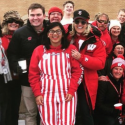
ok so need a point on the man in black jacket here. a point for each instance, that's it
(23, 42)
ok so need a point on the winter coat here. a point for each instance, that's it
(22, 44)
(105, 37)
(107, 96)
(93, 58)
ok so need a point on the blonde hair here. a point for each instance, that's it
(5, 30)
(85, 33)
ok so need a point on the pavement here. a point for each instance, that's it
(22, 111)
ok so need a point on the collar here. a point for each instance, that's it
(114, 80)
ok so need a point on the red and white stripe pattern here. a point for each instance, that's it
(55, 80)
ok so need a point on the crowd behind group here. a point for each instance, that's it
(74, 69)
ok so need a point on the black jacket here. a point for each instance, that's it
(107, 97)
(23, 42)
(107, 68)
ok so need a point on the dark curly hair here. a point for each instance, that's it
(64, 41)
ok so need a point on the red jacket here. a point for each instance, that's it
(123, 94)
(93, 58)
(105, 37)
(5, 42)
(54, 67)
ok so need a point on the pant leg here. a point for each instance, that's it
(83, 115)
(4, 103)
(67, 111)
(31, 107)
(14, 89)
(48, 111)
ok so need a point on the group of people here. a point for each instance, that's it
(75, 69)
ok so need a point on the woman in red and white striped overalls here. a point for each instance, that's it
(54, 77)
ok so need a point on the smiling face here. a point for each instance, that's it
(119, 49)
(13, 26)
(36, 17)
(117, 72)
(115, 31)
(80, 26)
(68, 9)
(55, 36)
(55, 17)
(121, 17)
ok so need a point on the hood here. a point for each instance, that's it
(12, 15)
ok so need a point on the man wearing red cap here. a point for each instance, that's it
(55, 14)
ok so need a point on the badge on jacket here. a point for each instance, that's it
(91, 47)
(45, 56)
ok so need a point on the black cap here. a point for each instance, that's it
(81, 14)
(118, 43)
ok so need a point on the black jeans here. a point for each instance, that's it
(14, 89)
(83, 114)
(5, 117)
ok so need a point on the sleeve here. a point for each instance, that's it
(76, 75)
(34, 72)
(101, 106)
(97, 60)
(107, 68)
(109, 46)
(123, 94)
(13, 51)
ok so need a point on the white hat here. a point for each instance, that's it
(114, 23)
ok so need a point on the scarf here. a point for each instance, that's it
(4, 65)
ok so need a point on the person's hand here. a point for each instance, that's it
(75, 54)
(68, 97)
(39, 100)
(103, 78)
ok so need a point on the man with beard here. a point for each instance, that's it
(102, 23)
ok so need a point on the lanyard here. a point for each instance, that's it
(119, 92)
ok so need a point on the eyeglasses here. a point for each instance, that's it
(119, 48)
(55, 13)
(102, 21)
(80, 21)
(12, 20)
(55, 31)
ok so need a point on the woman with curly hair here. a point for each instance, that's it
(10, 91)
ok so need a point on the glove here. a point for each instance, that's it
(19, 70)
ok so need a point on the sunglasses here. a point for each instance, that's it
(12, 20)
(80, 21)
(102, 21)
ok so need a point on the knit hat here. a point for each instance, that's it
(12, 15)
(55, 9)
(114, 23)
(81, 14)
(118, 62)
(118, 43)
